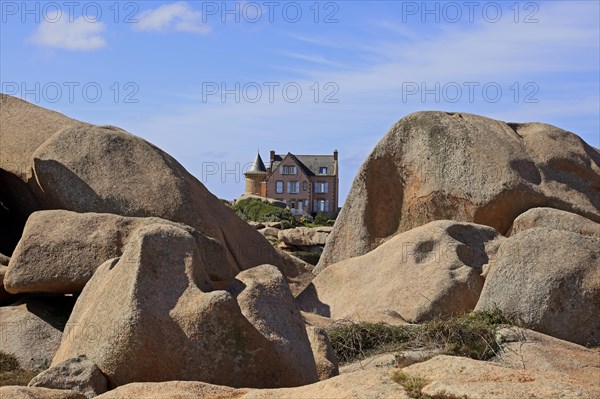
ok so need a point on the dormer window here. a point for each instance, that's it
(323, 170)
(289, 170)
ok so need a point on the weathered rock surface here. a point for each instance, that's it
(86, 168)
(3, 294)
(325, 358)
(269, 232)
(381, 360)
(459, 377)
(530, 365)
(375, 383)
(428, 272)
(4, 260)
(266, 301)
(96, 169)
(173, 390)
(17, 392)
(529, 350)
(31, 330)
(437, 165)
(298, 273)
(549, 281)
(303, 236)
(60, 250)
(23, 128)
(151, 316)
(77, 374)
(557, 220)
(256, 225)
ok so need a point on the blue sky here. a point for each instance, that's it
(212, 82)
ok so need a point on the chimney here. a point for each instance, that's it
(272, 159)
(335, 162)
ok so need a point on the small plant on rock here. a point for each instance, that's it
(11, 373)
(413, 385)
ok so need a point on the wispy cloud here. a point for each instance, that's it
(76, 35)
(313, 59)
(178, 16)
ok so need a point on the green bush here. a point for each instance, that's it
(321, 219)
(256, 210)
(471, 335)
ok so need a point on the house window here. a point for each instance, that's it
(279, 186)
(323, 170)
(300, 203)
(288, 170)
(321, 206)
(293, 187)
(292, 204)
(321, 187)
(304, 185)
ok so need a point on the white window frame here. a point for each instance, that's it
(321, 187)
(321, 205)
(277, 190)
(293, 187)
(321, 168)
(289, 170)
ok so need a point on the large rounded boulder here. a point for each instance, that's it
(60, 250)
(50, 161)
(426, 273)
(153, 315)
(437, 165)
(549, 281)
(555, 219)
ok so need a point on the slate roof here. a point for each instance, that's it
(258, 166)
(310, 163)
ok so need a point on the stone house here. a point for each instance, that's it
(308, 184)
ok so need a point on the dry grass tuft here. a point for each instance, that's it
(11, 373)
(471, 335)
(413, 385)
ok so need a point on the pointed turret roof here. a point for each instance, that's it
(258, 166)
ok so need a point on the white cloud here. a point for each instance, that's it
(178, 16)
(77, 35)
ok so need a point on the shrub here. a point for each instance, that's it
(256, 210)
(321, 219)
(11, 373)
(353, 341)
(471, 335)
